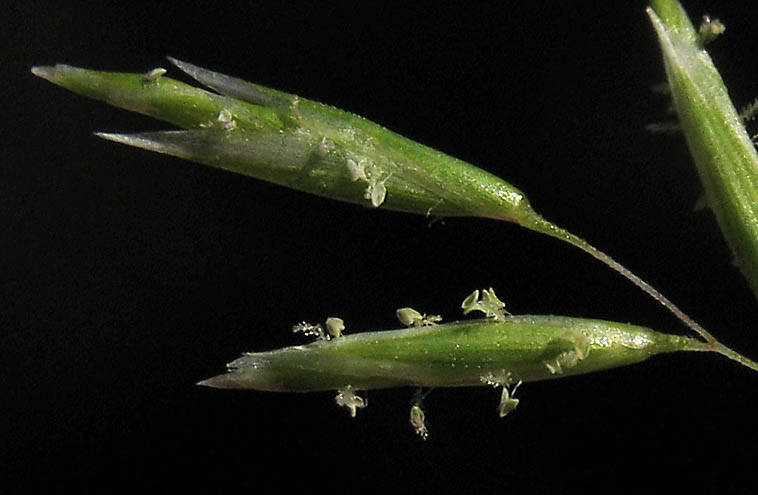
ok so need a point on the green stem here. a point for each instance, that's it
(546, 227)
(720, 348)
(711, 344)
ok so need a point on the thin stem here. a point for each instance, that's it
(733, 355)
(719, 348)
(546, 227)
(710, 344)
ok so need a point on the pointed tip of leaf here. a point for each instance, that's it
(47, 72)
(58, 73)
(115, 137)
(169, 142)
(203, 76)
(152, 141)
(227, 381)
(672, 15)
(210, 382)
(181, 65)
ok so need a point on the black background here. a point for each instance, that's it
(126, 276)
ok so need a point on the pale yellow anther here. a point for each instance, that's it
(489, 304)
(346, 398)
(507, 402)
(335, 326)
(412, 318)
(418, 421)
(710, 29)
(154, 74)
(226, 119)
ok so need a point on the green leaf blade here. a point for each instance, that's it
(298, 143)
(166, 99)
(316, 148)
(528, 347)
(724, 155)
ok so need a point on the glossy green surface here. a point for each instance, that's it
(315, 148)
(725, 157)
(297, 143)
(451, 355)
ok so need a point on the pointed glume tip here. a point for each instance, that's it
(219, 381)
(122, 139)
(110, 136)
(47, 72)
(211, 382)
(184, 66)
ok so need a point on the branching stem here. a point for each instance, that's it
(710, 345)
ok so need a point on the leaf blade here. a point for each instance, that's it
(724, 155)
